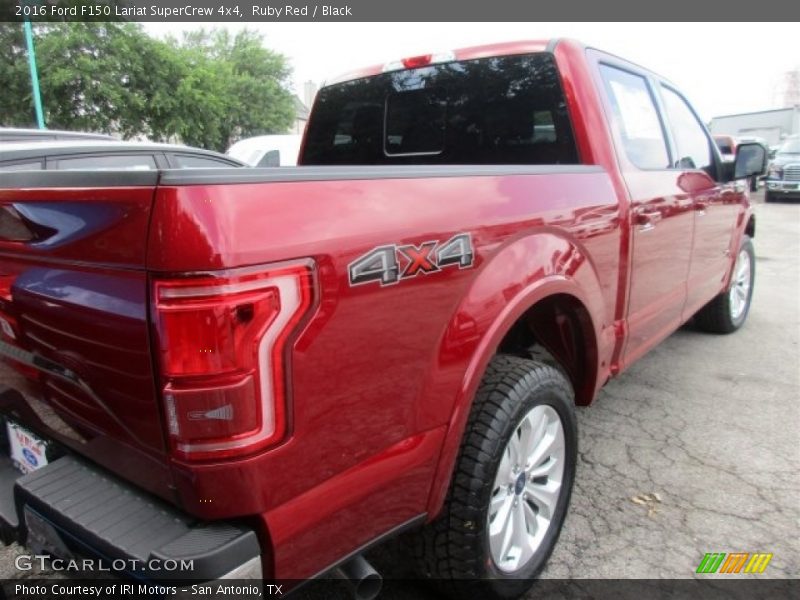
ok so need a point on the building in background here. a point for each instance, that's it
(300, 117)
(302, 107)
(771, 125)
(309, 93)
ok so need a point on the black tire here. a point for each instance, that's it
(768, 197)
(454, 550)
(716, 317)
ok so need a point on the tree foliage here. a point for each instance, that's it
(206, 89)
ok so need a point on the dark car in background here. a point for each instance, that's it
(783, 177)
(105, 155)
(18, 134)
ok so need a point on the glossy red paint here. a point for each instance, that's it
(390, 487)
(681, 224)
(592, 124)
(103, 226)
(408, 345)
(78, 294)
(379, 380)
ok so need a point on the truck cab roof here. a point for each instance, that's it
(469, 53)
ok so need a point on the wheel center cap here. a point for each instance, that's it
(520, 484)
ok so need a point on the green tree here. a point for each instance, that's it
(241, 85)
(207, 89)
(17, 105)
(91, 76)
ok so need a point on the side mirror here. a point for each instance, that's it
(751, 160)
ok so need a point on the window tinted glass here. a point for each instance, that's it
(270, 159)
(188, 161)
(136, 162)
(503, 110)
(415, 122)
(637, 118)
(544, 129)
(692, 145)
(22, 166)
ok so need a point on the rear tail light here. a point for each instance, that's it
(221, 341)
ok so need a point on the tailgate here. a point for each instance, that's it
(76, 365)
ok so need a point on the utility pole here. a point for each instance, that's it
(37, 96)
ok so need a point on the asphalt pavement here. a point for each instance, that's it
(696, 448)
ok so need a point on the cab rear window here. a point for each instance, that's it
(501, 110)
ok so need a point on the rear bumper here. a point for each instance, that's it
(72, 510)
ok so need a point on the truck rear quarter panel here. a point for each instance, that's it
(379, 370)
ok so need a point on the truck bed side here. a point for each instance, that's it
(379, 369)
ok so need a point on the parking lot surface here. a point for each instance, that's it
(694, 449)
(707, 424)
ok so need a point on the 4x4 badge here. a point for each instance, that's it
(392, 263)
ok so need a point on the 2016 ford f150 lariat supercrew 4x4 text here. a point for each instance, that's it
(268, 371)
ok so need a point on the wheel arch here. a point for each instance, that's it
(561, 325)
(550, 311)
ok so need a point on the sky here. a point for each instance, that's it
(723, 68)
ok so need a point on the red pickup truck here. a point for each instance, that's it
(265, 372)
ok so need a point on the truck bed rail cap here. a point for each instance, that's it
(300, 174)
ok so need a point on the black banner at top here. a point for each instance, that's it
(406, 10)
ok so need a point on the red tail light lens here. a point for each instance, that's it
(415, 62)
(221, 342)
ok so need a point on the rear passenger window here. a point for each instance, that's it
(498, 110)
(188, 161)
(637, 118)
(22, 166)
(692, 145)
(270, 159)
(133, 162)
